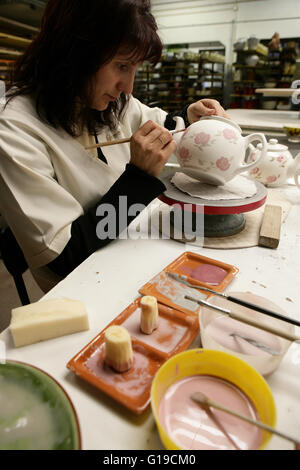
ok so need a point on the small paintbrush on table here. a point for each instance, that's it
(244, 303)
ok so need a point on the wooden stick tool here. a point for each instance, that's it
(247, 320)
(120, 141)
(206, 402)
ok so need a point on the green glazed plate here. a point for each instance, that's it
(35, 412)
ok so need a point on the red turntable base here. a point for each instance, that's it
(221, 218)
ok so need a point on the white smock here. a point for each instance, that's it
(48, 179)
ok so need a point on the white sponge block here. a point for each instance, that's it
(47, 319)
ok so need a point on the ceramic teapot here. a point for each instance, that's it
(213, 150)
(276, 166)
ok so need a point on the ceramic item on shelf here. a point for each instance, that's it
(262, 49)
(240, 44)
(237, 77)
(252, 42)
(269, 104)
(252, 60)
(292, 132)
(276, 166)
(212, 150)
(270, 84)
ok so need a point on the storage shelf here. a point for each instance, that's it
(25, 11)
(249, 79)
(162, 79)
(15, 41)
(15, 27)
(9, 53)
(247, 52)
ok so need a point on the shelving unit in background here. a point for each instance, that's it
(285, 58)
(28, 12)
(275, 69)
(19, 23)
(211, 74)
(181, 78)
(246, 78)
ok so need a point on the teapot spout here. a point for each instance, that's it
(297, 160)
(295, 164)
(179, 125)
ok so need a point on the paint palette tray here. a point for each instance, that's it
(203, 271)
(172, 292)
(175, 333)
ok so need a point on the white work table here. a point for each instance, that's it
(108, 281)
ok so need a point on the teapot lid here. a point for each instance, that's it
(274, 146)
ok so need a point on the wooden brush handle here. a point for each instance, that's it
(106, 144)
(260, 309)
(210, 403)
(121, 141)
(262, 326)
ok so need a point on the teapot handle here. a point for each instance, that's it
(296, 177)
(261, 154)
(297, 172)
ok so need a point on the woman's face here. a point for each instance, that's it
(112, 79)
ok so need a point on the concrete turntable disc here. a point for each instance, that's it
(221, 218)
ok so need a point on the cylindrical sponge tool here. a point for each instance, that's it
(118, 348)
(149, 314)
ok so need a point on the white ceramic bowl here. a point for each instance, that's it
(269, 104)
(219, 339)
(252, 60)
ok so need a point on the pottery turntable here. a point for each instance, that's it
(222, 218)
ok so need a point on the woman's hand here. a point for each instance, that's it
(151, 147)
(206, 107)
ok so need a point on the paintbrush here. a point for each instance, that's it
(122, 141)
(244, 303)
(207, 403)
(249, 321)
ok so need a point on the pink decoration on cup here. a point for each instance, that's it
(254, 171)
(271, 179)
(184, 153)
(252, 157)
(202, 138)
(223, 164)
(229, 134)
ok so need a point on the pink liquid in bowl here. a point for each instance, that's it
(190, 427)
(207, 273)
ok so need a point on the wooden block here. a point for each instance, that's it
(269, 235)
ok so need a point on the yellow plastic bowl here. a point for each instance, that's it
(218, 364)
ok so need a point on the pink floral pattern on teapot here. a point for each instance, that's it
(277, 165)
(223, 163)
(212, 150)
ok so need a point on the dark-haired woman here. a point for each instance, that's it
(71, 89)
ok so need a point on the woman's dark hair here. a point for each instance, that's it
(75, 39)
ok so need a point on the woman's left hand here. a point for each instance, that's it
(205, 107)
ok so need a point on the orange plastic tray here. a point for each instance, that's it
(172, 292)
(189, 261)
(175, 333)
